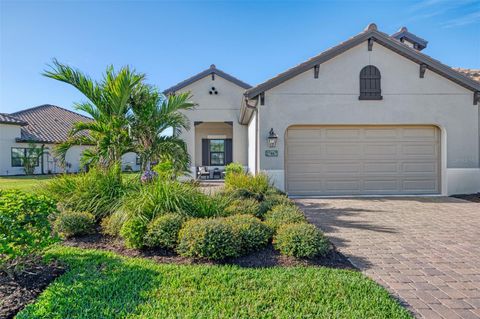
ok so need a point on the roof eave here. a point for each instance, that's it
(382, 39)
(201, 75)
(14, 123)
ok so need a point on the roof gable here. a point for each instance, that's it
(48, 123)
(381, 38)
(212, 70)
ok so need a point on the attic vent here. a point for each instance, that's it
(213, 90)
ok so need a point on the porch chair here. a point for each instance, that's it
(203, 171)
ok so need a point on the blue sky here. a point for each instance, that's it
(170, 41)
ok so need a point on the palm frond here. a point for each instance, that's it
(76, 78)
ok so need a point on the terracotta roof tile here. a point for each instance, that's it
(471, 73)
(8, 119)
(48, 123)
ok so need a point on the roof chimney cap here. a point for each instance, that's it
(371, 27)
(410, 39)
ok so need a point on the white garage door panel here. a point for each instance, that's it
(352, 160)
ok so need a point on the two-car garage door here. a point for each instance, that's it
(355, 160)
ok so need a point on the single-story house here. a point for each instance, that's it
(45, 126)
(370, 116)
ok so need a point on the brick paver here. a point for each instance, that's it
(425, 250)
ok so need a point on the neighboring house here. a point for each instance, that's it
(372, 115)
(44, 125)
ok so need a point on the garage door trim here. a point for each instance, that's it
(435, 159)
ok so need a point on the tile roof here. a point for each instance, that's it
(8, 119)
(371, 32)
(47, 123)
(471, 73)
(211, 70)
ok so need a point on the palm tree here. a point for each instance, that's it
(151, 115)
(108, 105)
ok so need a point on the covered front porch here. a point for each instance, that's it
(213, 149)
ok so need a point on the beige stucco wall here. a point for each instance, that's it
(407, 99)
(8, 134)
(224, 107)
(205, 130)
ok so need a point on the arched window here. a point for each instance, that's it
(370, 83)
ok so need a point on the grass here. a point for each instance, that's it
(24, 183)
(101, 284)
(33, 182)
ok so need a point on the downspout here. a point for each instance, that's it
(41, 164)
(255, 110)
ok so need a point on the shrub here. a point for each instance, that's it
(233, 168)
(165, 169)
(163, 231)
(133, 231)
(71, 223)
(209, 206)
(164, 196)
(300, 240)
(97, 191)
(247, 185)
(272, 200)
(111, 225)
(207, 238)
(24, 223)
(283, 214)
(247, 206)
(250, 232)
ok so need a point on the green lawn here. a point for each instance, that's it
(25, 183)
(105, 285)
(32, 183)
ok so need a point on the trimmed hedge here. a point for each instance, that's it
(133, 232)
(300, 240)
(250, 232)
(111, 225)
(207, 238)
(247, 206)
(163, 231)
(284, 214)
(272, 200)
(70, 224)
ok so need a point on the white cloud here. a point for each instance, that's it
(471, 18)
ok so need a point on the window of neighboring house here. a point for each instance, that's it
(137, 160)
(370, 88)
(217, 152)
(18, 153)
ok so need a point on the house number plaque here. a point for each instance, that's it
(271, 153)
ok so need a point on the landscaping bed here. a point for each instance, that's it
(160, 248)
(19, 290)
(266, 257)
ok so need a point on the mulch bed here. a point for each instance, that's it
(19, 290)
(470, 197)
(267, 257)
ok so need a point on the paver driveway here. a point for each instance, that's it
(424, 250)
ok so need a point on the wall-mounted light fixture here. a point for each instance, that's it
(272, 139)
